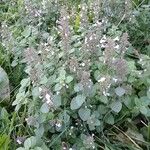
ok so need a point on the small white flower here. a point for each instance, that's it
(102, 79)
(39, 52)
(117, 47)
(105, 93)
(116, 39)
(40, 89)
(70, 133)
(103, 45)
(70, 149)
(52, 52)
(102, 41)
(83, 64)
(57, 93)
(64, 84)
(91, 38)
(47, 96)
(58, 125)
(115, 79)
(19, 142)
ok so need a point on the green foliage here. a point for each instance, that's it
(4, 142)
(79, 75)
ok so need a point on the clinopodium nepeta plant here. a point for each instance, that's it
(80, 77)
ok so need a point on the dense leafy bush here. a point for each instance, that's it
(84, 80)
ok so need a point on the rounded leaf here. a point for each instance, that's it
(120, 91)
(116, 106)
(77, 102)
(44, 108)
(84, 113)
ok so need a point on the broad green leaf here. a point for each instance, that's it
(143, 110)
(77, 102)
(78, 87)
(109, 119)
(30, 142)
(69, 79)
(58, 87)
(102, 109)
(116, 106)
(84, 113)
(104, 99)
(97, 75)
(138, 102)
(62, 75)
(44, 108)
(64, 117)
(145, 100)
(25, 82)
(131, 65)
(120, 91)
(27, 31)
(35, 92)
(57, 100)
(39, 131)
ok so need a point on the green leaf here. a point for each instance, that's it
(143, 110)
(77, 102)
(35, 92)
(120, 91)
(57, 100)
(44, 108)
(116, 106)
(84, 113)
(58, 87)
(97, 75)
(78, 87)
(104, 99)
(102, 109)
(138, 102)
(62, 74)
(69, 79)
(64, 117)
(25, 82)
(109, 119)
(148, 93)
(30, 142)
(27, 31)
(39, 131)
(4, 142)
(131, 65)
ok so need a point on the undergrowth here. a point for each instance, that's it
(75, 75)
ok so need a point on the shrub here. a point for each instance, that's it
(84, 84)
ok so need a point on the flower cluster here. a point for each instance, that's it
(64, 29)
